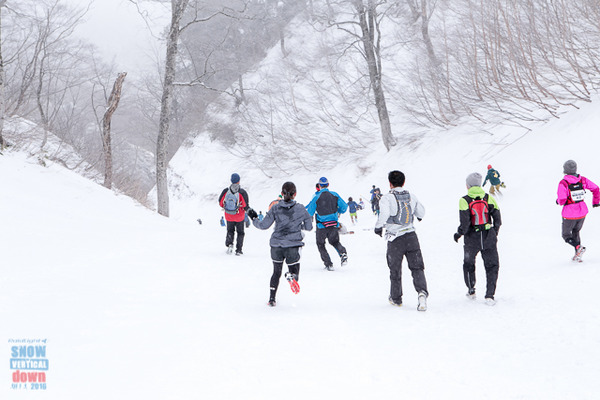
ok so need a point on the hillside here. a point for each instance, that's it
(135, 305)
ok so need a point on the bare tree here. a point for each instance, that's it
(363, 27)
(425, 13)
(113, 103)
(184, 13)
(500, 60)
(178, 8)
(2, 93)
(368, 19)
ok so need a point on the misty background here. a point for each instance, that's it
(281, 85)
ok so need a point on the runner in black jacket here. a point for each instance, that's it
(479, 238)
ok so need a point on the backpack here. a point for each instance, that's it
(576, 192)
(271, 204)
(231, 202)
(405, 215)
(480, 211)
(327, 203)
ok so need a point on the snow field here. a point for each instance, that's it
(138, 306)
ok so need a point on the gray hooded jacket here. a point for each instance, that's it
(290, 219)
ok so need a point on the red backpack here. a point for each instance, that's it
(480, 211)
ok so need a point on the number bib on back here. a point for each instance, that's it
(576, 192)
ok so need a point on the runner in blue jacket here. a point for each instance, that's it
(352, 208)
(327, 206)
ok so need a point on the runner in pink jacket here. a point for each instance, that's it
(571, 190)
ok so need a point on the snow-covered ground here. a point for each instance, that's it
(136, 306)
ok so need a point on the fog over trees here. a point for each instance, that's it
(289, 82)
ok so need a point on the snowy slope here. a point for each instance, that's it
(137, 306)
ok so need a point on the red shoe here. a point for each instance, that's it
(291, 278)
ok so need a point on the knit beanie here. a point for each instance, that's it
(474, 179)
(570, 167)
(235, 178)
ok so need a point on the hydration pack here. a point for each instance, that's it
(231, 202)
(405, 215)
(480, 211)
(576, 192)
(327, 203)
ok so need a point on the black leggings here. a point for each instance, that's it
(291, 255)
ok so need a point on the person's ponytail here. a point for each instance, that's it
(288, 190)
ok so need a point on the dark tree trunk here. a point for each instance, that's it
(162, 144)
(113, 103)
(368, 24)
(2, 94)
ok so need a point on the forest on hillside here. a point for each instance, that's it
(286, 82)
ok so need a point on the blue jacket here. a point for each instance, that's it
(327, 205)
(352, 206)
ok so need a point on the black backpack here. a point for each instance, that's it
(576, 192)
(327, 203)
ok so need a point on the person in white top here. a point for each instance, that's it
(398, 209)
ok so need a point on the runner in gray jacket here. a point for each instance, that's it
(290, 220)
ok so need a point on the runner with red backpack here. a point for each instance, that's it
(571, 192)
(480, 222)
(234, 201)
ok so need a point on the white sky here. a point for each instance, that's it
(118, 30)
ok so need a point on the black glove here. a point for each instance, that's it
(252, 214)
(457, 236)
(596, 205)
(420, 219)
(379, 231)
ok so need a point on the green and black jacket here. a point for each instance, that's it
(487, 236)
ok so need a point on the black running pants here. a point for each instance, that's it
(332, 234)
(407, 246)
(491, 264)
(233, 227)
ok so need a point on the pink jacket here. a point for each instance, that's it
(576, 210)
